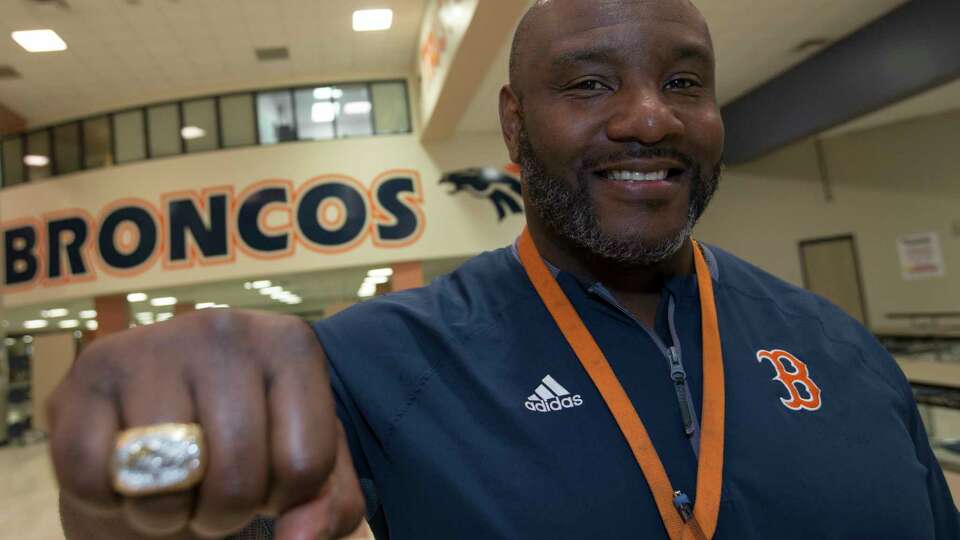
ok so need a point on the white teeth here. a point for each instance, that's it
(636, 176)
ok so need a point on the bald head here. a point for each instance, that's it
(545, 17)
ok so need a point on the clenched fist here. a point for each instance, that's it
(258, 385)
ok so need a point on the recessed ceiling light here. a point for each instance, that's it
(91, 325)
(366, 20)
(367, 290)
(53, 313)
(34, 324)
(326, 93)
(385, 272)
(357, 107)
(270, 290)
(192, 132)
(261, 284)
(88, 314)
(136, 297)
(205, 305)
(33, 160)
(376, 280)
(45, 40)
(163, 301)
(69, 323)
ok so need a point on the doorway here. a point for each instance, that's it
(831, 268)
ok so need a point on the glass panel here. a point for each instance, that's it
(66, 144)
(316, 112)
(275, 116)
(163, 122)
(37, 157)
(237, 120)
(128, 132)
(96, 142)
(13, 170)
(199, 130)
(390, 107)
(354, 116)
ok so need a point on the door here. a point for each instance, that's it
(831, 269)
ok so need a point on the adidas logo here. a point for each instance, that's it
(550, 396)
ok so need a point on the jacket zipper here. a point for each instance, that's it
(678, 375)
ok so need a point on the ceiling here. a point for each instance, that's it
(131, 52)
(319, 291)
(754, 42)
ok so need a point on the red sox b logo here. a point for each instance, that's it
(797, 375)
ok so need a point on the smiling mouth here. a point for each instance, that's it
(638, 176)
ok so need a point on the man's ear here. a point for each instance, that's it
(510, 121)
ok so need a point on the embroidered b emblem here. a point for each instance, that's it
(793, 373)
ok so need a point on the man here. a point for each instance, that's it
(605, 377)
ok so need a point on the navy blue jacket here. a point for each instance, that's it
(438, 390)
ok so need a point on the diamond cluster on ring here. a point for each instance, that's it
(152, 461)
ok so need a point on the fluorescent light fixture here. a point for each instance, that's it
(357, 107)
(88, 314)
(218, 306)
(380, 272)
(92, 325)
(53, 313)
(294, 301)
(323, 112)
(164, 316)
(267, 291)
(326, 93)
(45, 40)
(205, 305)
(35, 324)
(28, 339)
(163, 301)
(366, 20)
(69, 323)
(376, 280)
(261, 284)
(34, 160)
(136, 297)
(192, 132)
(144, 315)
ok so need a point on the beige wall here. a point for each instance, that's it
(894, 180)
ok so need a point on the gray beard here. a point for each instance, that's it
(570, 213)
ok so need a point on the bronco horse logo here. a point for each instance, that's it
(496, 185)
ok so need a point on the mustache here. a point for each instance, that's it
(637, 152)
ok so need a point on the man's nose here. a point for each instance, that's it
(643, 116)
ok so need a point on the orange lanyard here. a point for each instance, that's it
(703, 522)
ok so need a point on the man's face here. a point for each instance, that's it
(619, 134)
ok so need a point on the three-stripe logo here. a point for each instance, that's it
(550, 396)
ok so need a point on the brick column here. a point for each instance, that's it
(183, 307)
(113, 314)
(408, 275)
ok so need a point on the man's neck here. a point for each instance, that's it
(637, 287)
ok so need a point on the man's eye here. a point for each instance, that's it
(682, 84)
(589, 84)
